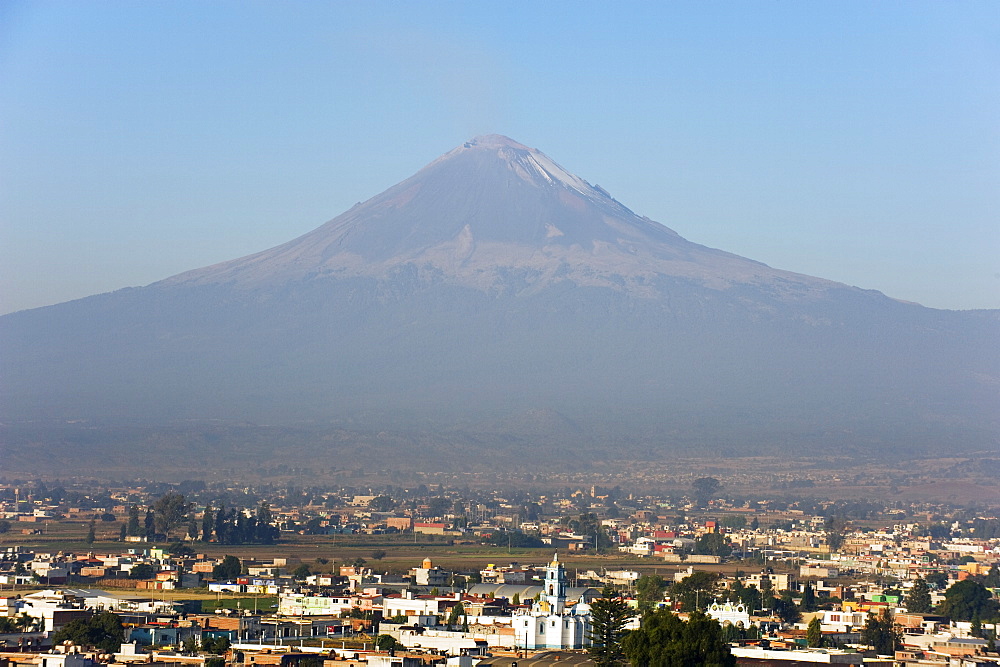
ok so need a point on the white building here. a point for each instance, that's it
(407, 605)
(843, 621)
(290, 604)
(429, 575)
(549, 624)
(779, 582)
(644, 546)
(734, 614)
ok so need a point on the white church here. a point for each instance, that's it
(549, 624)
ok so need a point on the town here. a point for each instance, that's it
(191, 573)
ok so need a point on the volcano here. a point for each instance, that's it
(493, 307)
(482, 211)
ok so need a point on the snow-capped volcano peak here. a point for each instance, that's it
(529, 163)
(486, 210)
(494, 141)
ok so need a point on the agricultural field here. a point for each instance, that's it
(325, 553)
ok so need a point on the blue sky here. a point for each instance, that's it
(855, 141)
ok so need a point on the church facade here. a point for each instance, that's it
(549, 623)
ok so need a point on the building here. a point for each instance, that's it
(429, 575)
(733, 614)
(753, 655)
(550, 624)
(779, 582)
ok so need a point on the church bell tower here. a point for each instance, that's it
(555, 586)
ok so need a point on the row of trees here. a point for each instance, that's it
(236, 526)
(172, 510)
(165, 514)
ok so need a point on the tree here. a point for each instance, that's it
(142, 571)
(91, 532)
(976, 627)
(939, 531)
(965, 599)
(132, 526)
(786, 609)
(663, 640)
(766, 592)
(207, 524)
(881, 633)
(608, 616)
(228, 569)
(713, 544)
(919, 599)
(703, 489)
(149, 525)
(649, 589)
(382, 504)
(814, 633)
(992, 578)
(455, 617)
(513, 538)
(301, 572)
(24, 623)
(378, 554)
(387, 643)
(808, 601)
(939, 580)
(748, 595)
(169, 511)
(4, 526)
(263, 512)
(122, 532)
(103, 631)
(695, 591)
(216, 645)
(438, 506)
(589, 524)
(180, 550)
(991, 638)
(835, 527)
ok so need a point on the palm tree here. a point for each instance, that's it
(25, 623)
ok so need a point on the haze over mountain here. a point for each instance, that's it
(494, 307)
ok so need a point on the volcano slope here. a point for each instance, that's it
(493, 308)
